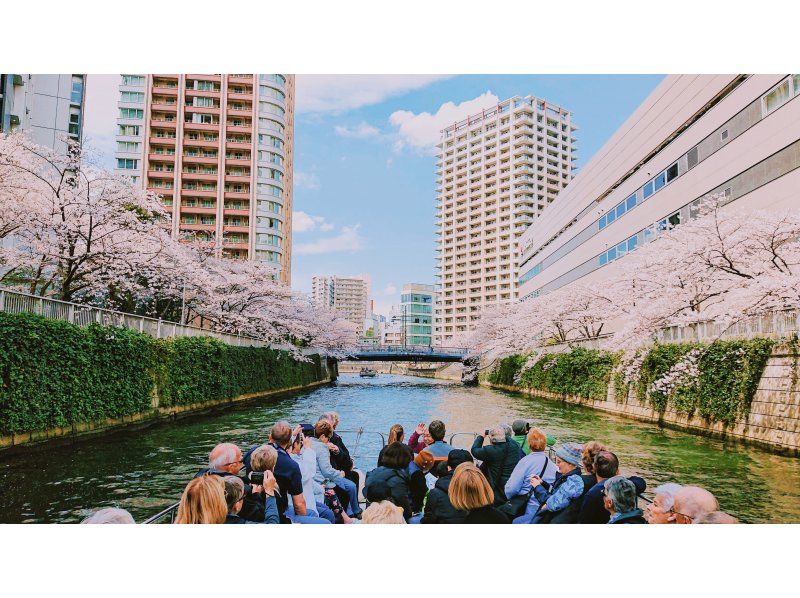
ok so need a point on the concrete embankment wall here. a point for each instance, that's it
(773, 421)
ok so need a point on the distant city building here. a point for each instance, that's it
(346, 294)
(694, 136)
(49, 108)
(219, 149)
(496, 171)
(374, 326)
(416, 308)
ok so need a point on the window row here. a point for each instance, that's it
(132, 97)
(136, 113)
(780, 94)
(127, 163)
(133, 80)
(640, 195)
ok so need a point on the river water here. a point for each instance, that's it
(145, 470)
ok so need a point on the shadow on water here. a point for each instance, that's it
(145, 470)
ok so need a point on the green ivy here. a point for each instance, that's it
(507, 370)
(55, 374)
(729, 373)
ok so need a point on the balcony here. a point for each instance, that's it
(231, 228)
(200, 159)
(239, 128)
(197, 227)
(236, 211)
(160, 174)
(199, 192)
(201, 142)
(200, 176)
(237, 178)
(198, 210)
(164, 124)
(236, 144)
(237, 195)
(190, 126)
(238, 161)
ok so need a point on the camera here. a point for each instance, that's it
(486, 432)
(257, 478)
(307, 430)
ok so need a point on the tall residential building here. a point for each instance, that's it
(49, 108)
(219, 149)
(416, 313)
(496, 171)
(346, 294)
(694, 136)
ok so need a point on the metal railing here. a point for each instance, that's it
(411, 349)
(83, 315)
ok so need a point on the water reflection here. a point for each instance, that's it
(143, 471)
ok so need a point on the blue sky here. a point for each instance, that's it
(366, 177)
(364, 195)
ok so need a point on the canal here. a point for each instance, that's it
(146, 470)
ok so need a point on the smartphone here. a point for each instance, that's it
(486, 432)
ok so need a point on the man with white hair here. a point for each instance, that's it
(499, 457)
(659, 511)
(619, 499)
(109, 515)
(692, 502)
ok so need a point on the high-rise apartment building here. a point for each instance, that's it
(219, 149)
(496, 171)
(346, 294)
(694, 136)
(49, 108)
(416, 313)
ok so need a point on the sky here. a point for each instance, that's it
(364, 184)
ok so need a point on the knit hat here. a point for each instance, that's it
(424, 461)
(570, 452)
(520, 426)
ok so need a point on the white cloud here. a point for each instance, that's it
(390, 289)
(305, 180)
(360, 131)
(336, 93)
(100, 120)
(422, 130)
(348, 240)
(303, 223)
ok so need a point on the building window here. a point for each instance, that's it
(133, 80)
(660, 180)
(74, 121)
(132, 130)
(136, 113)
(204, 102)
(133, 97)
(127, 146)
(672, 172)
(647, 190)
(127, 163)
(76, 96)
(777, 97)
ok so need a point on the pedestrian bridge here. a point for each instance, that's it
(414, 353)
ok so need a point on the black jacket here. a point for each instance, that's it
(499, 461)
(418, 488)
(342, 460)
(634, 516)
(486, 515)
(439, 509)
(399, 483)
(592, 509)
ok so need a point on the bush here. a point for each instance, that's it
(507, 370)
(580, 372)
(55, 374)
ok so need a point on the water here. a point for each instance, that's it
(146, 470)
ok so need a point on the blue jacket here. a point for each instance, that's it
(439, 448)
(532, 464)
(562, 492)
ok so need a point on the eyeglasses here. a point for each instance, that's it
(674, 512)
(239, 462)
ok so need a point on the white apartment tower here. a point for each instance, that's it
(349, 295)
(496, 171)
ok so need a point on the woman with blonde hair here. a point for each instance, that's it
(384, 511)
(203, 501)
(470, 491)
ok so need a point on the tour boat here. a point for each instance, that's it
(367, 373)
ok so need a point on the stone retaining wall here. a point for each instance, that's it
(773, 422)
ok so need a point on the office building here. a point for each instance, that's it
(416, 313)
(347, 294)
(694, 136)
(219, 150)
(496, 171)
(48, 108)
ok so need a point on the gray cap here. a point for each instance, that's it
(520, 426)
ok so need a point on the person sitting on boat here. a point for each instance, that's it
(327, 475)
(234, 498)
(691, 503)
(560, 501)
(385, 512)
(203, 501)
(341, 459)
(396, 434)
(619, 499)
(430, 439)
(393, 473)
(108, 515)
(536, 463)
(659, 511)
(470, 491)
(606, 466)
(438, 508)
(418, 486)
(313, 493)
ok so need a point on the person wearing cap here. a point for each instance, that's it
(566, 490)
(438, 508)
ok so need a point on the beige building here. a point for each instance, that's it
(346, 294)
(219, 149)
(496, 171)
(694, 136)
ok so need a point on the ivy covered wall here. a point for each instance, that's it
(54, 374)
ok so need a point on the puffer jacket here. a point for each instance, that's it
(499, 461)
(398, 481)
(438, 508)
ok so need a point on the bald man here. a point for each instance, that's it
(692, 502)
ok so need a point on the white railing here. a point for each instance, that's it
(83, 315)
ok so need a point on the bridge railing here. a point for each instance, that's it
(412, 349)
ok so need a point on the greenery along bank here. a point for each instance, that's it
(54, 374)
(716, 381)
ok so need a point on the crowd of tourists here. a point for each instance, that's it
(304, 474)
